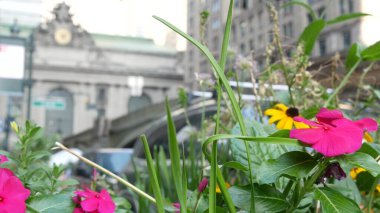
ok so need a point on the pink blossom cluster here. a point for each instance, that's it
(12, 192)
(88, 201)
(333, 134)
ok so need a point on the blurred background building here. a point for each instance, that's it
(80, 79)
(252, 28)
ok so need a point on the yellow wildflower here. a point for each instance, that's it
(217, 190)
(284, 115)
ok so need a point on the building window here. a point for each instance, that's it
(215, 24)
(322, 46)
(351, 8)
(346, 39)
(251, 44)
(288, 30)
(322, 13)
(60, 121)
(242, 48)
(138, 102)
(243, 26)
(244, 4)
(215, 43)
(342, 7)
(215, 6)
(309, 18)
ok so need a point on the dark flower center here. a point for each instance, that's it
(292, 112)
(1, 199)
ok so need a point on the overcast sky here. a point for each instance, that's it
(120, 17)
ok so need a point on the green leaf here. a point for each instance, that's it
(53, 203)
(372, 53)
(372, 149)
(363, 160)
(283, 133)
(235, 165)
(364, 181)
(310, 112)
(153, 176)
(296, 164)
(353, 56)
(310, 34)
(302, 4)
(175, 158)
(346, 17)
(348, 188)
(334, 202)
(267, 198)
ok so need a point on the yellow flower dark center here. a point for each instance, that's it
(292, 112)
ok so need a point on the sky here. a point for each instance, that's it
(118, 17)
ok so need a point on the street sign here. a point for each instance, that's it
(50, 104)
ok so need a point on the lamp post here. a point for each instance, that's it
(29, 80)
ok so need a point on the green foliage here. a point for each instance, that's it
(334, 202)
(372, 53)
(177, 171)
(362, 160)
(353, 56)
(295, 164)
(346, 17)
(61, 202)
(267, 198)
(310, 35)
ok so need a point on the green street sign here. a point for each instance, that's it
(50, 104)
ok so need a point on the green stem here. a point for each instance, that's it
(309, 183)
(121, 180)
(372, 193)
(342, 83)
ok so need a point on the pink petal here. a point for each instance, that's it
(106, 206)
(308, 136)
(90, 204)
(105, 195)
(327, 116)
(78, 210)
(303, 120)
(13, 205)
(3, 159)
(15, 190)
(368, 124)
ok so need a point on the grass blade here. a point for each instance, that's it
(175, 158)
(153, 176)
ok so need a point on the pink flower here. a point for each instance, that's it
(3, 159)
(12, 193)
(92, 201)
(177, 206)
(202, 185)
(332, 134)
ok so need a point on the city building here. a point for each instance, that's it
(81, 80)
(252, 28)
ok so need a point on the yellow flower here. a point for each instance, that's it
(368, 137)
(355, 171)
(284, 115)
(217, 190)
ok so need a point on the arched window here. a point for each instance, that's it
(138, 102)
(60, 121)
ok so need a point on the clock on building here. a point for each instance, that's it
(62, 36)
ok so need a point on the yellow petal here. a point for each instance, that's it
(378, 188)
(281, 123)
(282, 107)
(289, 123)
(368, 137)
(276, 117)
(300, 125)
(355, 171)
(272, 112)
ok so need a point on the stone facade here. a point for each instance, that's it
(96, 76)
